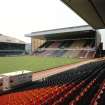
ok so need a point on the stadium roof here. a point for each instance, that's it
(92, 11)
(70, 30)
(8, 39)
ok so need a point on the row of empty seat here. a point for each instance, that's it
(67, 53)
(69, 44)
(11, 52)
(84, 85)
(71, 48)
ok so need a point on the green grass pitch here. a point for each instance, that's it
(33, 63)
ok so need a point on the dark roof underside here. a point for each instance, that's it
(68, 35)
(92, 11)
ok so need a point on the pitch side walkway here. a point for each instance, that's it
(49, 72)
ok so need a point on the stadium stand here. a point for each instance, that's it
(84, 85)
(81, 42)
(11, 46)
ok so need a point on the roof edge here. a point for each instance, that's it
(60, 30)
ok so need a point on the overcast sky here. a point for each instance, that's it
(19, 17)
